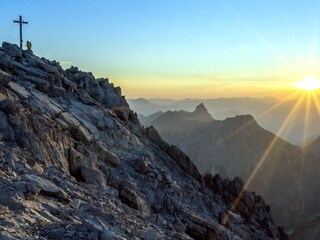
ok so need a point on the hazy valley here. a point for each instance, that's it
(281, 172)
(270, 113)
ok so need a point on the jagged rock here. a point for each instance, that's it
(81, 134)
(154, 136)
(133, 200)
(122, 113)
(5, 78)
(21, 187)
(148, 235)
(106, 155)
(6, 131)
(236, 186)
(69, 84)
(179, 226)
(12, 50)
(217, 182)
(109, 235)
(93, 176)
(48, 68)
(69, 119)
(77, 161)
(177, 191)
(141, 166)
(208, 180)
(38, 184)
(19, 90)
(85, 98)
(56, 91)
(183, 161)
(5, 62)
(41, 84)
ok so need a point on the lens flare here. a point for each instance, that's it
(308, 83)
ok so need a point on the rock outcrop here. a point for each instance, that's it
(76, 164)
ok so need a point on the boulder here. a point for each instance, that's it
(81, 134)
(45, 186)
(93, 176)
(122, 113)
(6, 131)
(105, 155)
(133, 200)
(85, 97)
(12, 50)
(77, 161)
(5, 62)
(69, 84)
(56, 91)
(179, 226)
(141, 166)
(41, 85)
(48, 68)
(19, 90)
(147, 235)
(5, 78)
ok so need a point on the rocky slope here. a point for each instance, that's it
(234, 147)
(147, 120)
(76, 164)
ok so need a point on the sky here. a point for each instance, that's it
(176, 48)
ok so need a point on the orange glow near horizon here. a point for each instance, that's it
(170, 88)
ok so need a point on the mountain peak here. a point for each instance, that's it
(201, 109)
(201, 114)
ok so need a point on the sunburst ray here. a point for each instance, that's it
(263, 157)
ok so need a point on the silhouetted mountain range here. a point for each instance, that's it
(269, 113)
(238, 146)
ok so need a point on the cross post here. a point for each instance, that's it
(20, 23)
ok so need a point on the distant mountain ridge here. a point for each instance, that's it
(270, 113)
(234, 147)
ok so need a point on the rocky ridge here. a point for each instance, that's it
(76, 164)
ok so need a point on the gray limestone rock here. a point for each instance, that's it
(5, 62)
(5, 78)
(12, 50)
(93, 176)
(135, 201)
(106, 155)
(41, 84)
(38, 184)
(141, 166)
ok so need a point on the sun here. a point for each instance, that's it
(308, 83)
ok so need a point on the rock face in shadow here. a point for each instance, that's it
(284, 174)
(76, 164)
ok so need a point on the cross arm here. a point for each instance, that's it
(21, 22)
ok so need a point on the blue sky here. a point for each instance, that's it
(188, 48)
